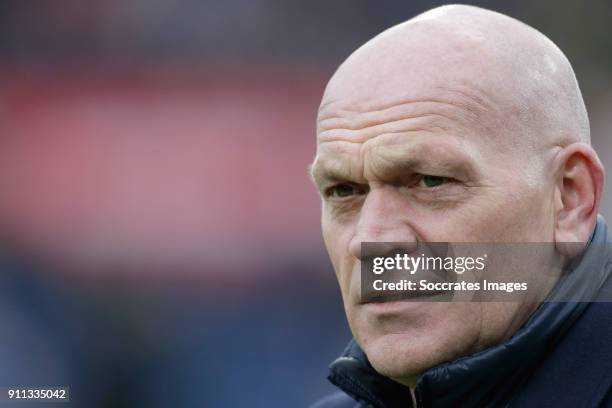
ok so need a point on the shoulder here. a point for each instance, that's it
(337, 400)
(580, 363)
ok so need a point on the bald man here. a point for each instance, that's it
(463, 125)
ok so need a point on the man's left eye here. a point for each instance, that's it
(343, 190)
(433, 181)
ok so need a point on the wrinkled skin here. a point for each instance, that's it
(460, 125)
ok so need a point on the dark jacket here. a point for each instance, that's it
(561, 357)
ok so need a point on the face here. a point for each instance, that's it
(425, 167)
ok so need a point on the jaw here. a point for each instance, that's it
(407, 339)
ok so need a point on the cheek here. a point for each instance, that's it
(330, 238)
(336, 238)
(519, 217)
(499, 215)
(500, 320)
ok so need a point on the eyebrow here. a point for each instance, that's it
(422, 158)
(443, 165)
(322, 174)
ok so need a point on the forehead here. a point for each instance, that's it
(417, 75)
(391, 157)
(379, 96)
(442, 130)
(359, 118)
(446, 115)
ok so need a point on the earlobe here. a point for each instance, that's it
(579, 184)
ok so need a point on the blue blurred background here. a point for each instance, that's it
(160, 241)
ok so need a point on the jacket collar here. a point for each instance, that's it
(492, 375)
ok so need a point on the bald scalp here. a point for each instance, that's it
(504, 74)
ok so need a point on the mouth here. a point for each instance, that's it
(408, 296)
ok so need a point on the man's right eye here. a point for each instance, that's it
(343, 190)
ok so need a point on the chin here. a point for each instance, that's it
(398, 356)
(406, 352)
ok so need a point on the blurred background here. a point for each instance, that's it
(159, 234)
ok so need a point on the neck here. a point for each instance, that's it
(410, 382)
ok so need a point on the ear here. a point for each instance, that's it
(579, 184)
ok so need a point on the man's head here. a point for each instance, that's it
(459, 125)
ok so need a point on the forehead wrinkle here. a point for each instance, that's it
(472, 98)
(472, 92)
(455, 104)
(354, 120)
(423, 123)
(338, 165)
(393, 159)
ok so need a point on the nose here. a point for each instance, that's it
(384, 219)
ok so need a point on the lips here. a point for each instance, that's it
(372, 296)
